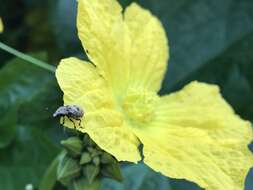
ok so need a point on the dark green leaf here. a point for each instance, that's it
(50, 177)
(26, 159)
(8, 127)
(83, 184)
(138, 177)
(25, 93)
(16, 87)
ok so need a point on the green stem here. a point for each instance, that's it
(27, 58)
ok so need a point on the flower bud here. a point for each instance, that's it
(85, 158)
(96, 160)
(68, 169)
(91, 149)
(107, 158)
(95, 153)
(73, 145)
(90, 172)
(87, 141)
(112, 171)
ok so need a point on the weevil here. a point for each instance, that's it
(71, 112)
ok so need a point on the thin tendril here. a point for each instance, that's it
(28, 58)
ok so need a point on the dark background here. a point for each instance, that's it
(210, 41)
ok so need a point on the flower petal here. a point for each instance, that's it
(78, 78)
(127, 52)
(149, 48)
(197, 136)
(104, 36)
(110, 132)
(83, 86)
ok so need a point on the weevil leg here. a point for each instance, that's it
(72, 122)
(80, 121)
(63, 120)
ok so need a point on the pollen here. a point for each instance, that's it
(139, 107)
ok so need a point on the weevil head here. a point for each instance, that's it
(61, 111)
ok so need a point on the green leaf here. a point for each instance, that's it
(28, 96)
(50, 177)
(180, 184)
(138, 177)
(83, 184)
(20, 80)
(199, 30)
(8, 127)
(249, 181)
(26, 159)
(15, 88)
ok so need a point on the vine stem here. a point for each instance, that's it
(28, 58)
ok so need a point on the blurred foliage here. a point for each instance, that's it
(138, 177)
(210, 41)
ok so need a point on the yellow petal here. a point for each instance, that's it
(108, 130)
(198, 137)
(1, 26)
(118, 141)
(149, 48)
(128, 52)
(79, 79)
(83, 86)
(102, 32)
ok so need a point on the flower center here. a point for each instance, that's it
(139, 106)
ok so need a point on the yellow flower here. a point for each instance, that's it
(192, 134)
(1, 26)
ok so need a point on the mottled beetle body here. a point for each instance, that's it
(71, 112)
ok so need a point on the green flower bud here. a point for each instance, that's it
(112, 171)
(83, 184)
(107, 158)
(67, 170)
(73, 145)
(91, 149)
(95, 153)
(91, 143)
(90, 172)
(88, 141)
(96, 160)
(85, 158)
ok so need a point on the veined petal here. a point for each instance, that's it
(118, 141)
(128, 52)
(198, 137)
(108, 130)
(149, 48)
(83, 86)
(105, 39)
(78, 78)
